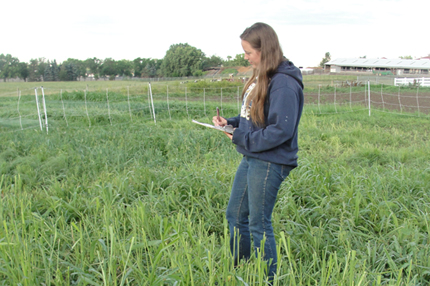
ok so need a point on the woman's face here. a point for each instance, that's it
(251, 55)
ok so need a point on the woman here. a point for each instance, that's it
(266, 134)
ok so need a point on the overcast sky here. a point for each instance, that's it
(307, 29)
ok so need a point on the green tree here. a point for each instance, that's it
(213, 61)
(124, 67)
(41, 67)
(152, 68)
(37, 69)
(32, 70)
(52, 72)
(78, 67)
(8, 66)
(69, 71)
(138, 66)
(326, 59)
(109, 68)
(48, 73)
(23, 71)
(147, 67)
(92, 65)
(406, 57)
(182, 60)
(238, 61)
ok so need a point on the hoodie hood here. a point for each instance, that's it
(288, 68)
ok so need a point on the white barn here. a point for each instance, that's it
(379, 66)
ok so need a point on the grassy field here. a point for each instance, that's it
(115, 199)
(27, 88)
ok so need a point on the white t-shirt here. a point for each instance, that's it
(246, 110)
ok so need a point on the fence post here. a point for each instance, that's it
(38, 109)
(152, 102)
(86, 109)
(44, 109)
(64, 110)
(149, 103)
(319, 97)
(368, 93)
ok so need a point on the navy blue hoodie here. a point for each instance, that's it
(276, 142)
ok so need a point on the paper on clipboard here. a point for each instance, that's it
(228, 128)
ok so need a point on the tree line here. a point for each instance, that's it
(180, 60)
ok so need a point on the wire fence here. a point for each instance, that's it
(391, 80)
(121, 106)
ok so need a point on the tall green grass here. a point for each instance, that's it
(130, 202)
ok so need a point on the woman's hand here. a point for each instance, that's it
(219, 121)
(229, 135)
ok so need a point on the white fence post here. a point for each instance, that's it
(44, 109)
(86, 109)
(38, 109)
(152, 102)
(149, 102)
(368, 91)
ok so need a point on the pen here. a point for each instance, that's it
(217, 114)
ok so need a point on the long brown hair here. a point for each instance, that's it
(262, 38)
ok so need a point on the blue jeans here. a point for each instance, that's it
(250, 207)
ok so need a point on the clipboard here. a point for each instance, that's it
(228, 128)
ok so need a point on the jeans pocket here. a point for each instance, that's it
(285, 171)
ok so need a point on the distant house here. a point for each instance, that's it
(424, 58)
(379, 66)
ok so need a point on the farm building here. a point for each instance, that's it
(379, 66)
